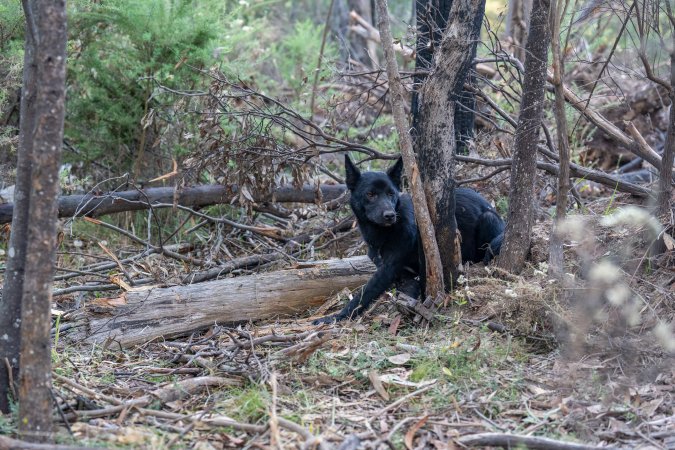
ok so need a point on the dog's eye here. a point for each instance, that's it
(371, 195)
(390, 194)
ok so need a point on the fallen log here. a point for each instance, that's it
(112, 202)
(178, 310)
(197, 196)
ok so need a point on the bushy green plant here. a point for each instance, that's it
(119, 53)
(296, 55)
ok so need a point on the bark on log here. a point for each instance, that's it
(177, 310)
(113, 202)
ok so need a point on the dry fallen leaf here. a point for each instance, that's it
(392, 378)
(410, 435)
(393, 328)
(399, 359)
(377, 384)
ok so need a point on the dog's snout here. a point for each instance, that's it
(389, 215)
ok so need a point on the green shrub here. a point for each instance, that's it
(119, 52)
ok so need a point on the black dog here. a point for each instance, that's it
(387, 223)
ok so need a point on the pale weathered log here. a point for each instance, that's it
(178, 310)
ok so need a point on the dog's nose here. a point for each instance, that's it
(389, 215)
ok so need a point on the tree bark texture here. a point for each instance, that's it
(666, 171)
(517, 15)
(10, 300)
(362, 49)
(436, 142)
(421, 205)
(95, 205)
(46, 33)
(556, 250)
(432, 17)
(167, 312)
(523, 169)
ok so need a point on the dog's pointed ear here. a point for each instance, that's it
(395, 172)
(352, 173)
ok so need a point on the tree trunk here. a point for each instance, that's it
(523, 170)
(362, 49)
(435, 133)
(46, 33)
(515, 31)
(666, 172)
(421, 201)
(10, 301)
(556, 250)
(432, 18)
(166, 312)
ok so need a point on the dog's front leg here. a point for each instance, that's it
(382, 279)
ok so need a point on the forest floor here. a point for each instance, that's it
(509, 355)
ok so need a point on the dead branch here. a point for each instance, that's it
(164, 312)
(506, 440)
(7, 443)
(238, 263)
(403, 399)
(367, 31)
(575, 170)
(171, 392)
(135, 200)
(640, 148)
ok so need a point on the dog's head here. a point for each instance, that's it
(374, 194)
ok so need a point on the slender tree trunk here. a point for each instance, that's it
(436, 143)
(434, 269)
(556, 250)
(432, 18)
(523, 170)
(46, 24)
(666, 173)
(10, 302)
(362, 49)
(517, 16)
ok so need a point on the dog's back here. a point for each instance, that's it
(480, 226)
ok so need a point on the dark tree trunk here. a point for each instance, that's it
(434, 268)
(360, 48)
(46, 39)
(517, 16)
(666, 172)
(432, 17)
(436, 142)
(523, 170)
(10, 302)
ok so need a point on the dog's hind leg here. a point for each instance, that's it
(490, 234)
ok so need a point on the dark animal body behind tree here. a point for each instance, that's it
(387, 224)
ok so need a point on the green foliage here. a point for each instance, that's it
(249, 404)
(8, 424)
(502, 206)
(119, 52)
(11, 64)
(291, 55)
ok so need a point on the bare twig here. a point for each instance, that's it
(402, 400)
(506, 440)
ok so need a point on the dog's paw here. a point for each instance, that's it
(328, 319)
